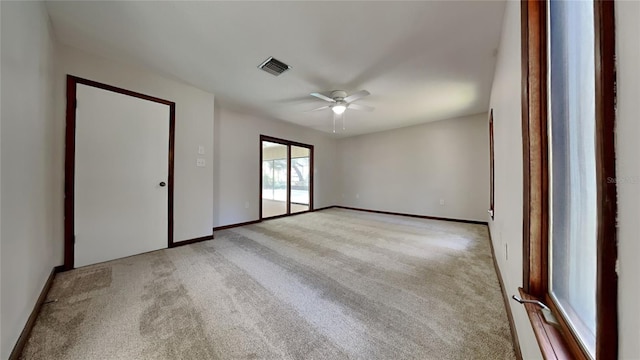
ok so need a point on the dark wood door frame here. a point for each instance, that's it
(288, 144)
(70, 156)
(492, 169)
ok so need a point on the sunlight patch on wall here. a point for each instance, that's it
(438, 99)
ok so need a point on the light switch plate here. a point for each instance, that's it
(201, 150)
(200, 162)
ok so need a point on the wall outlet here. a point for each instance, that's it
(441, 201)
(357, 196)
(200, 162)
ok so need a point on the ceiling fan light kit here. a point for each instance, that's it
(340, 102)
(338, 108)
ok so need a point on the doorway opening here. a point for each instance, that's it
(286, 181)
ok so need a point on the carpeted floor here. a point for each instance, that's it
(334, 284)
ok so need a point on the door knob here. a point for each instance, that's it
(162, 184)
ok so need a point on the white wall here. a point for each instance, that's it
(28, 246)
(628, 172)
(237, 163)
(409, 170)
(506, 228)
(193, 186)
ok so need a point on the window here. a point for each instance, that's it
(569, 206)
(572, 166)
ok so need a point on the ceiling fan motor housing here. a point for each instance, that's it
(338, 95)
(340, 101)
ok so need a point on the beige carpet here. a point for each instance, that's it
(334, 284)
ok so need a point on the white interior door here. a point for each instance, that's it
(121, 164)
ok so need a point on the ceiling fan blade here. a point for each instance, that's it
(320, 108)
(356, 95)
(323, 97)
(361, 107)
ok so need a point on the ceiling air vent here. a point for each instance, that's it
(273, 66)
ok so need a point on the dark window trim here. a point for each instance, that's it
(492, 169)
(557, 342)
(70, 158)
(287, 143)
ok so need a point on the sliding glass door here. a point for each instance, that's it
(275, 175)
(287, 177)
(300, 172)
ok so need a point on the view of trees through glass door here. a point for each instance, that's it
(287, 177)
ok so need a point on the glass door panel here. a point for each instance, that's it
(300, 178)
(275, 177)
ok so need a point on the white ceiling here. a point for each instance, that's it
(421, 61)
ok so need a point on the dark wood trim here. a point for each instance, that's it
(311, 167)
(26, 331)
(283, 141)
(492, 170)
(191, 241)
(288, 144)
(412, 215)
(287, 215)
(534, 143)
(607, 294)
(231, 226)
(325, 208)
(288, 179)
(261, 175)
(69, 173)
(568, 341)
(552, 342)
(505, 298)
(536, 194)
(170, 172)
(59, 269)
(524, 69)
(115, 89)
(69, 188)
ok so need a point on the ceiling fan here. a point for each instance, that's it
(340, 102)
